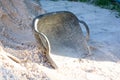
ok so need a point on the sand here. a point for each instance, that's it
(18, 40)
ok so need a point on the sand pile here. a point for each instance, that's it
(16, 39)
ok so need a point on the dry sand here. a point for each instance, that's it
(104, 64)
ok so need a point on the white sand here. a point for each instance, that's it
(18, 40)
